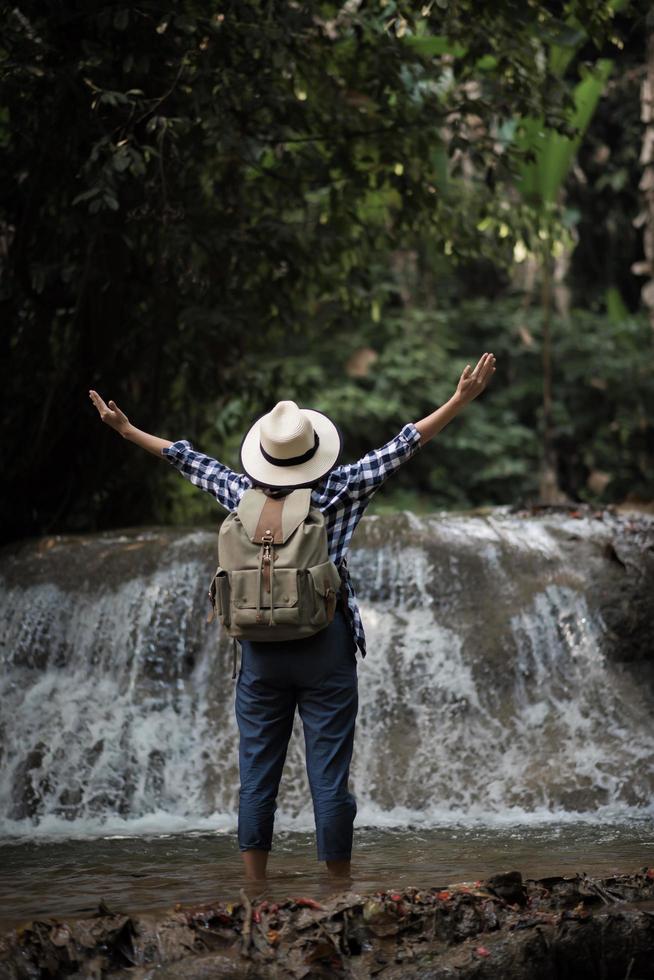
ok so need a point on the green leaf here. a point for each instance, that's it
(564, 45)
(487, 62)
(541, 180)
(429, 47)
(121, 161)
(86, 195)
(121, 19)
(615, 306)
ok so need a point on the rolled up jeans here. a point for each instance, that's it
(318, 674)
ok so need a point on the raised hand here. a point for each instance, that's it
(110, 414)
(472, 383)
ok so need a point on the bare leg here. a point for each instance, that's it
(255, 864)
(338, 869)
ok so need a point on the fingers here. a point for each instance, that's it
(118, 412)
(477, 380)
(481, 363)
(98, 402)
(484, 368)
(487, 367)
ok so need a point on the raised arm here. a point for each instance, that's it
(366, 475)
(111, 415)
(471, 383)
(203, 471)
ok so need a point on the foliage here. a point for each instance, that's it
(488, 454)
(601, 406)
(191, 187)
(603, 193)
(542, 177)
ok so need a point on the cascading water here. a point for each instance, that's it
(498, 684)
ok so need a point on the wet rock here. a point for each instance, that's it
(27, 787)
(508, 886)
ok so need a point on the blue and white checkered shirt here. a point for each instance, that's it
(342, 494)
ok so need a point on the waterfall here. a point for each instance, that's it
(504, 678)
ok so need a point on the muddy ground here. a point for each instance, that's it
(559, 928)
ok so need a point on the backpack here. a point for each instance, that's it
(275, 579)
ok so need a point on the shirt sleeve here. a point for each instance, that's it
(207, 473)
(368, 474)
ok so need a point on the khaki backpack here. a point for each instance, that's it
(275, 580)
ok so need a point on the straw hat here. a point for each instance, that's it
(290, 447)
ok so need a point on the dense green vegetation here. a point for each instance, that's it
(208, 207)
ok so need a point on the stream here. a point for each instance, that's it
(505, 712)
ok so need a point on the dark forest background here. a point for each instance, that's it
(206, 207)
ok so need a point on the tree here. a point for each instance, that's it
(646, 185)
(541, 184)
(186, 184)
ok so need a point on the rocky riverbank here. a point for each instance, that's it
(558, 928)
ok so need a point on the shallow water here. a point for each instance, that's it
(140, 873)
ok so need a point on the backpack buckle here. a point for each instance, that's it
(330, 601)
(212, 599)
(266, 559)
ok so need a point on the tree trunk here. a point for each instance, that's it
(549, 490)
(646, 185)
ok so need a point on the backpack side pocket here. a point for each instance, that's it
(219, 593)
(326, 584)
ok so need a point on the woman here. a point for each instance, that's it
(287, 448)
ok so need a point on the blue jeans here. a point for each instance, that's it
(319, 675)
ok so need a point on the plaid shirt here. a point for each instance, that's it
(342, 495)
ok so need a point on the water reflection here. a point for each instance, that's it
(144, 874)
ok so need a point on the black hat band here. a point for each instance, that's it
(293, 460)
